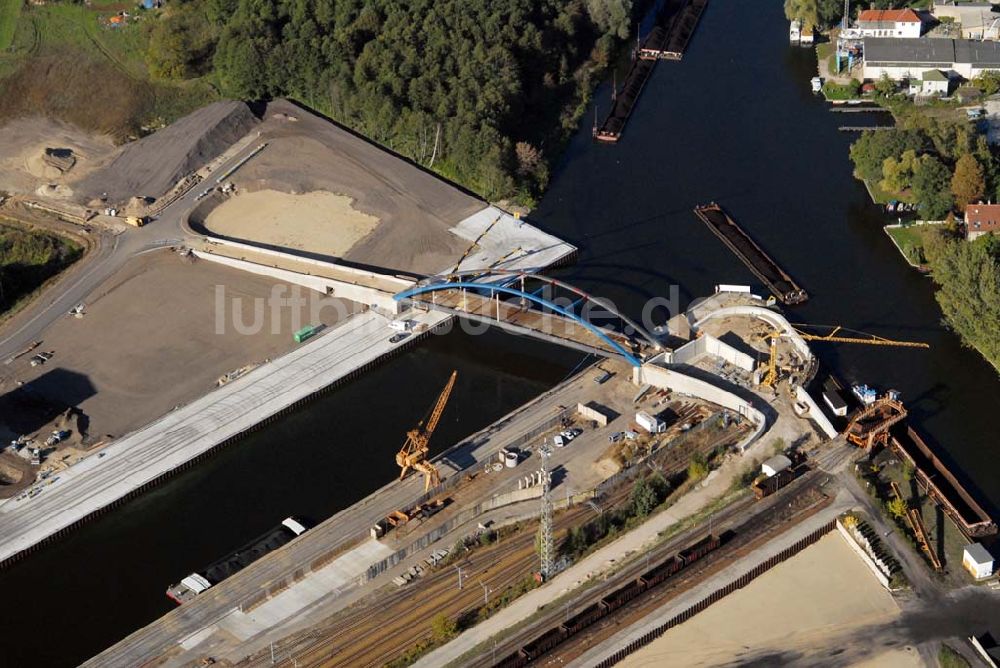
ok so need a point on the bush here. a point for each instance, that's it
(949, 658)
(835, 91)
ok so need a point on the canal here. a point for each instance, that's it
(733, 122)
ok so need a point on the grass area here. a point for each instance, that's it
(911, 239)
(29, 258)
(949, 658)
(63, 57)
(10, 10)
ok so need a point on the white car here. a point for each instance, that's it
(558, 440)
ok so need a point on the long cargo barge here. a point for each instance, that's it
(199, 581)
(655, 46)
(942, 485)
(681, 30)
(753, 256)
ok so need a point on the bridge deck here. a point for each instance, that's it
(547, 325)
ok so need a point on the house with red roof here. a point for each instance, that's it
(981, 219)
(890, 23)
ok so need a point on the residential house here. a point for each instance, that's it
(981, 219)
(934, 82)
(898, 23)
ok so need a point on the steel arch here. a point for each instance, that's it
(437, 287)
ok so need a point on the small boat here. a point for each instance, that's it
(866, 395)
(817, 84)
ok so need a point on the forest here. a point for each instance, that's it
(483, 92)
(28, 258)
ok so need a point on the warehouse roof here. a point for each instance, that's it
(978, 553)
(931, 51)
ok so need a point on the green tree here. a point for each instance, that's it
(443, 628)
(872, 148)
(611, 16)
(813, 13)
(897, 508)
(181, 44)
(697, 468)
(988, 81)
(898, 173)
(909, 470)
(885, 86)
(968, 279)
(968, 184)
(644, 499)
(932, 188)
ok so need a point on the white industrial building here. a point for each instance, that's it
(977, 561)
(902, 59)
(891, 23)
(975, 20)
(775, 465)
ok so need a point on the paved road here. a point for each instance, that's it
(112, 251)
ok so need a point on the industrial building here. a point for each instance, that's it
(977, 561)
(975, 20)
(910, 58)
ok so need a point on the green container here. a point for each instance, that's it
(304, 333)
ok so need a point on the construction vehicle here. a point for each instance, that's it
(413, 454)
(771, 376)
(136, 221)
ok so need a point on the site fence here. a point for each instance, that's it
(716, 596)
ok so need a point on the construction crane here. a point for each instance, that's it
(473, 245)
(413, 454)
(834, 336)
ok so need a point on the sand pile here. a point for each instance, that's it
(153, 164)
(318, 222)
(38, 152)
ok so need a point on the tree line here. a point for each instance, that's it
(483, 92)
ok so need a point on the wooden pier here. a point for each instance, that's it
(753, 256)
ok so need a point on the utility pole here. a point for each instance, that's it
(486, 592)
(459, 569)
(547, 547)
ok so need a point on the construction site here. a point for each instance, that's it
(245, 263)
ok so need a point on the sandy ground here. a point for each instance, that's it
(150, 341)
(318, 222)
(415, 208)
(801, 612)
(23, 142)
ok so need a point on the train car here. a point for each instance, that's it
(699, 549)
(620, 597)
(583, 619)
(768, 486)
(658, 574)
(515, 660)
(543, 643)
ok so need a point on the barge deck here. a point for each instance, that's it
(753, 256)
(675, 24)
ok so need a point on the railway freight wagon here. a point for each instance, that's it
(609, 603)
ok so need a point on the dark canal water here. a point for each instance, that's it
(734, 122)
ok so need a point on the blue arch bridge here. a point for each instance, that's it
(538, 306)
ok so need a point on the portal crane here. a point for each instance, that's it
(413, 454)
(771, 377)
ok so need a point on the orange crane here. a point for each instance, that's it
(834, 336)
(413, 454)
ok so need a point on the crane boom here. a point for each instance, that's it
(413, 454)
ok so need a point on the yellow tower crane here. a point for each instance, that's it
(413, 454)
(833, 336)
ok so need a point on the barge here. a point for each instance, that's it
(753, 256)
(199, 581)
(942, 485)
(675, 24)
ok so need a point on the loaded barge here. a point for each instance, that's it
(197, 582)
(675, 24)
(753, 256)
